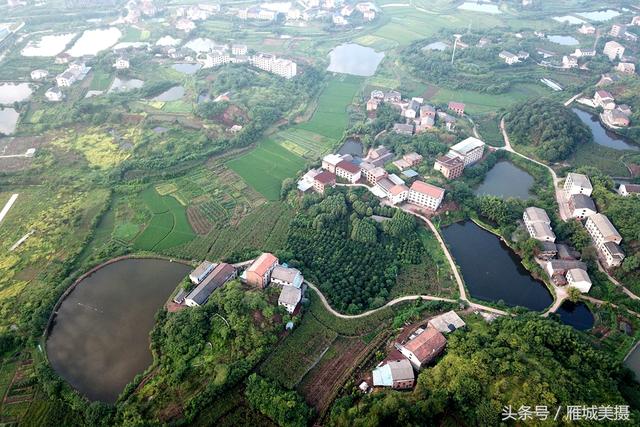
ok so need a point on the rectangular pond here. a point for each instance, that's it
(506, 180)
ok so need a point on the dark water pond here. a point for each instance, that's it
(564, 40)
(351, 58)
(100, 337)
(351, 146)
(506, 180)
(173, 94)
(491, 270)
(601, 135)
(186, 68)
(576, 314)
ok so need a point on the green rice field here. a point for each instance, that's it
(265, 167)
(304, 143)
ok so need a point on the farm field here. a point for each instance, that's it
(606, 159)
(304, 143)
(266, 166)
(488, 128)
(100, 80)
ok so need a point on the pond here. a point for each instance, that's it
(351, 58)
(99, 340)
(564, 40)
(576, 314)
(125, 85)
(480, 7)
(14, 92)
(436, 46)
(93, 41)
(603, 136)
(491, 270)
(569, 19)
(351, 146)
(599, 15)
(186, 68)
(48, 45)
(173, 94)
(506, 180)
(8, 120)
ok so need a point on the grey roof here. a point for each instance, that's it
(447, 322)
(290, 295)
(566, 252)
(578, 274)
(549, 247)
(401, 370)
(386, 183)
(542, 229)
(537, 215)
(507, 54)
(560, 265)
(218, 277)
(605, 227)
(201, 269)
(414, 105)
(467, 145)
(614, 249)
(285, 274)
(581, 201)
(580, 180)
(401, 127)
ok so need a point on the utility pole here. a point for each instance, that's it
(455, 42)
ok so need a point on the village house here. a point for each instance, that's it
(587, 29)
(397, 374)
(616, 118)
(508, 57)
(330, 161)
(289, 298)
(624, 109)
(121, 64)
(546, 53)
(606, 239)
(372, 104)
(259, 272)
(629, 190)
(54, 94)
(324, 180)
(412, 109)
(450, 166)
(239, 49)
(220, 275)
(201, 272)
(635, 20)
(569, 61)
(626, 67)
(447, 322)
(523, 55)
(407, 161)
(557, 269)
(398, 193)
(425, 195)
(470, 150)
(287, 276)
(456, 107)
(617, 30)
(577, 183)
(423, 348)
(39, 74)
(369, 15)
(538, 224)
(63, 58)
(392, 96)
(75, 72)
(186, 25)
(546, 250)
(306, 182)
(403, 129)
(372, 173)
(348, 171)
(613, 50)
(581, 206)
(604, 99)
(339, 20)
(567, 253)
(378, 156)
(580, 53)
(578, 278)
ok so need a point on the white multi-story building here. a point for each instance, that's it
(613, 50)
(578, 278)
(398, 194)
(282, 67)
(538, 224)
(470, 150)
(425, 195)
(239, 49)
(121, 64)
(605, 238)
(39, 74)
(372, 173)
(348, 171)
(577, 183)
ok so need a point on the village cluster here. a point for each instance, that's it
(613, 115)
(258, 273)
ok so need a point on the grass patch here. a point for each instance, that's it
(265, 167)
(479, 103)
(603, 158)
(100, 80)
(304, 143)
(489, 129)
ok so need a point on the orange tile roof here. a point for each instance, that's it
(325, 177)
(427, 345)
(398, 189)
(428, 189)
(262, 264)
(348, 166)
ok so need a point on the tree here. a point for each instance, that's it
(284, 407)
(574, 294)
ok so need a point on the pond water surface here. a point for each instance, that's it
(576, 314)
(436, 46)
(93, 41)
(491, 270)
(599, 15)
(506, 180)
(480, 7)
(603, 136)
(351, 146)
(564, 40)
(569, 19)
(14, 92)
(125, 85)
(8, 120)
(173, 94)
(351, 58)
(186, 68)
(48, 45)
(99, 340)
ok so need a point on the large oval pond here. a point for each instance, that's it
(491, 270)
(602, 136)
(576, 314)
(99, 340)
(351, 58)
(506, 180)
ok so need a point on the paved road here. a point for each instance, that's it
(615, 282)
(600, 302)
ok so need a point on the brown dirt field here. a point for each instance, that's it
(198, 221)
(430, 92)
(319, 383)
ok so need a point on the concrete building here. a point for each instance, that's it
(330, 161)
(456, 107)
(558, 267)
(324, 180)
(403, 128)
(259, 272)
(617, 30)
(447, 322)
(398, 193)
(581, 206)
(579, 278)
(538, 224)
(425, 195)
(349, 171)
(286, 276)
(626, 67)
(289, 298)
(121, 64)
(577, 183)
(470, 150)
(220, 275)
(508, 57)
(424, 348)
(613, 50)
(54, 94)
(372, 173)
(606, 239)
(379, 156)
(569, 61)
(604, 99)
(397, 374)
(306, 182)
(239, 49)
(201, 272)
(39, 74)
(629, 190)
(450, 166)
(616, 118)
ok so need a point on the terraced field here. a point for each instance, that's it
(304, 143)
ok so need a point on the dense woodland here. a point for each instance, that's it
(353, 258)
(552, 131)
(512, 361)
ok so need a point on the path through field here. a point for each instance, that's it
(7, 206)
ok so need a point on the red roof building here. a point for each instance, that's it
(348, 171)
(426, 195)
(457, 107)
(323, 180)
(259, 273)
(424, 348)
